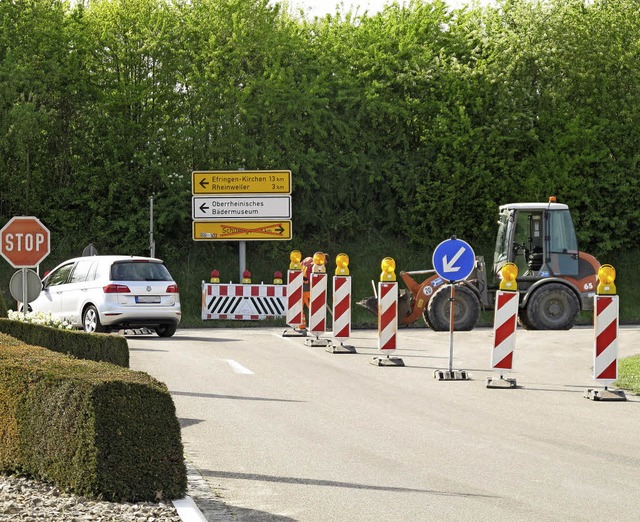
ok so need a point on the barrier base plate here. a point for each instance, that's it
(501, 382)
(294, 332)
(605, 395)
(342, 348)
(451, 375)
(387, 361)
(315, 341)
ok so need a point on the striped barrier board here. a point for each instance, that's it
(295, 312)
(243, 302)
(341, 307)
(387, 316)
(605, 364)
(504, 330)
(318, 303)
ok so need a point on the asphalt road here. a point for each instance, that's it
(284, 431)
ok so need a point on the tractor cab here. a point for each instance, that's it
(539, 238)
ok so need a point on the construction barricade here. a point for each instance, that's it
(504, 327)
(342, 306)
(243, 302)
(318, 301)
(605, 322)
(387, 315)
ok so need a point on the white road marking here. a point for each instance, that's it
(238, 368)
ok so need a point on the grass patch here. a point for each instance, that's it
(629, 374)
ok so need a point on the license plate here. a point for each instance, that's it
(148, 299)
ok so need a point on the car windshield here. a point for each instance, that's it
(139, 271)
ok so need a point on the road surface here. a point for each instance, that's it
(284, 431)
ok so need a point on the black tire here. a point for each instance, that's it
(166, 330)
(91, 320)
(466, 309)
(523, 319)
(552, 307)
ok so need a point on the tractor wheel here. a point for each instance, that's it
(466, 310)
(552, 307)
(523, 319)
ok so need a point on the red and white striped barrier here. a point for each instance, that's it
(387, 316)
(243, 302)
(341, 307)
(605, 363)
(295, 312)
(318, 303)
(504, 330)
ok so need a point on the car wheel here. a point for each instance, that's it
(466, 309)
(166, 330)
(552, 307)
(91, 320)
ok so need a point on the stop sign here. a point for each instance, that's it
(24, 241)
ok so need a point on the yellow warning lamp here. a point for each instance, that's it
(342, 265)
(509, 273)
(388, 266)
(246, 277)
(606, 277)
(295, 257)
(553, 199)
(277, 278)
(319, 260)
(215, 276)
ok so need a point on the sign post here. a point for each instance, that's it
(24, 243)
(453, 260)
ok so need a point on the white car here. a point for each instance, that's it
(106, 293)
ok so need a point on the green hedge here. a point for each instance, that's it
(93, 347)
(91, 428)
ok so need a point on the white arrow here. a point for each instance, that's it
(448, 265)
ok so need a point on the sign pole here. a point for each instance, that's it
(24, 292)
(242, 255)
(452, 299)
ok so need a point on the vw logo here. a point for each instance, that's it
(148, 289)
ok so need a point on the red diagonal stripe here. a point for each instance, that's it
(602, 302)
(504, 298)
(606, 337)
(339, 281)
(505, 363)
(344, 332)
(388, 315)
(296, 295)
(610, 372)
(505, 329)
(318, 301)
(342, 306)
(390, 344)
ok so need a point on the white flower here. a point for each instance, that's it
(41, 318)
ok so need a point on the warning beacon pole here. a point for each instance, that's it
(504, 327)
(342, 306)
(295, 312)
(605, 322)
(387, 315)
(318, 301)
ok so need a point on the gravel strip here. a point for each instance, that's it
(29, 500)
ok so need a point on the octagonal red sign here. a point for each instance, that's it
(24, 241)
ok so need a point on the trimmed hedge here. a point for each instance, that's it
(94, 429)
(92, 347)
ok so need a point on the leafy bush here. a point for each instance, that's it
(93, 347)
(91, 428)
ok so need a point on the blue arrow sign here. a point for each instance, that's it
(454, 259)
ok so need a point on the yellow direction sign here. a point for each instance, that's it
(241, 230)
(241, 182)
